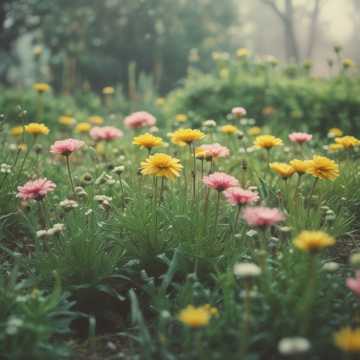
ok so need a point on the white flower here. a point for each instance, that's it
(41, 234)
(68, 204)
(5, 168)
(13, 324)
(293, 345)
(246, 270)
(118, 169)
(330, 266)
(355, 259)
(209, 123)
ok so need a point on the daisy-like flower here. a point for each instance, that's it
(262, 216)
(334, 132)
(254, 131)
(66, 147)
(35, 189)
(229, 129)
(323, 168)
(161, 165)
(300, 166)
(313, 241)
(108, 90)
(105, 133)
(246, 270)
(354, 284)
(300, 137)
(181, 118)
(282, 169)
(184, 137)
(83, 127)
(348, 339)
(148, 141)
(237, 196)
(214, 151)
(139, 119)
(348, 142)
(220, 181)
(335, 148)
(66, 120)
(194, 317)
(96, 120)
(238, 112)
(36, 129)
(17, 131)
(41, 87)
(267, 142)
(293, 346)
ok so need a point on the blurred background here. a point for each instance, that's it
(92, 43)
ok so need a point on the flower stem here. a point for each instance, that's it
(69, 173)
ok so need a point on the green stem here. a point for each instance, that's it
(69, 173)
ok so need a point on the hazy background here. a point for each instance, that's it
(92, 43)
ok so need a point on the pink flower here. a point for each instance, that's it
(354, 283)
(220, 181)
(106, 133)
(36, 189)
(238, 112)
(262, 216)
(215, 150)
(66, 147)
(239, 196)
(139, 119)
(299, 137)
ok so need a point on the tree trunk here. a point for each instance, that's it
(313, 29)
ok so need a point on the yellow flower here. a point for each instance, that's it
(334, 132)
(36, 129)
(66, 120)
(229, 129)
(200, 153)
(186, 136)
(83, 127)
(161, 165)
(348, 142)
(194, 317)
(348, 339)
(282, 169)
(147, 141)
(254, 131)
(17, 131)
(96, 120)
(160, 101)
(181, 117)
(300, 166)
(323, 168)
(22, 147)
(312, 241)
(213, 311)
(108, 90)
(267, 142)
(41, 87)
(335, 147)
(347, 63)
(243, 52)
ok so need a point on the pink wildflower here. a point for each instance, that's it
(239, 196)
(299, 137)
(262, 216)
(106, 133)
(220, 181)
(214, 151)
(35, 189)
(139, 119)
(66, 147)
(238, 112)
(354, 283)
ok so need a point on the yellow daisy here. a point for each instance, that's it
(36, 129)
(186, 136)
(323, 168)
(312, 241)
(147, 141)
(267, 142)
(161, 165)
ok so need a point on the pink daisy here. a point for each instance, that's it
(299, 137)
(354, 283)
(215, 151)
(220, 181)
(262, 216)
(239, 112)
(139, 119)
(238, 196)
(106, 133)
(35, 189)
(66, 147)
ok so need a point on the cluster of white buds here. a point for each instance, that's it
(209, 124)
(103, 200)
(5, 168)
(80, 191)
(118, 169)
(68, 204)
(246, 270)
(105, 179)
(55, 230)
